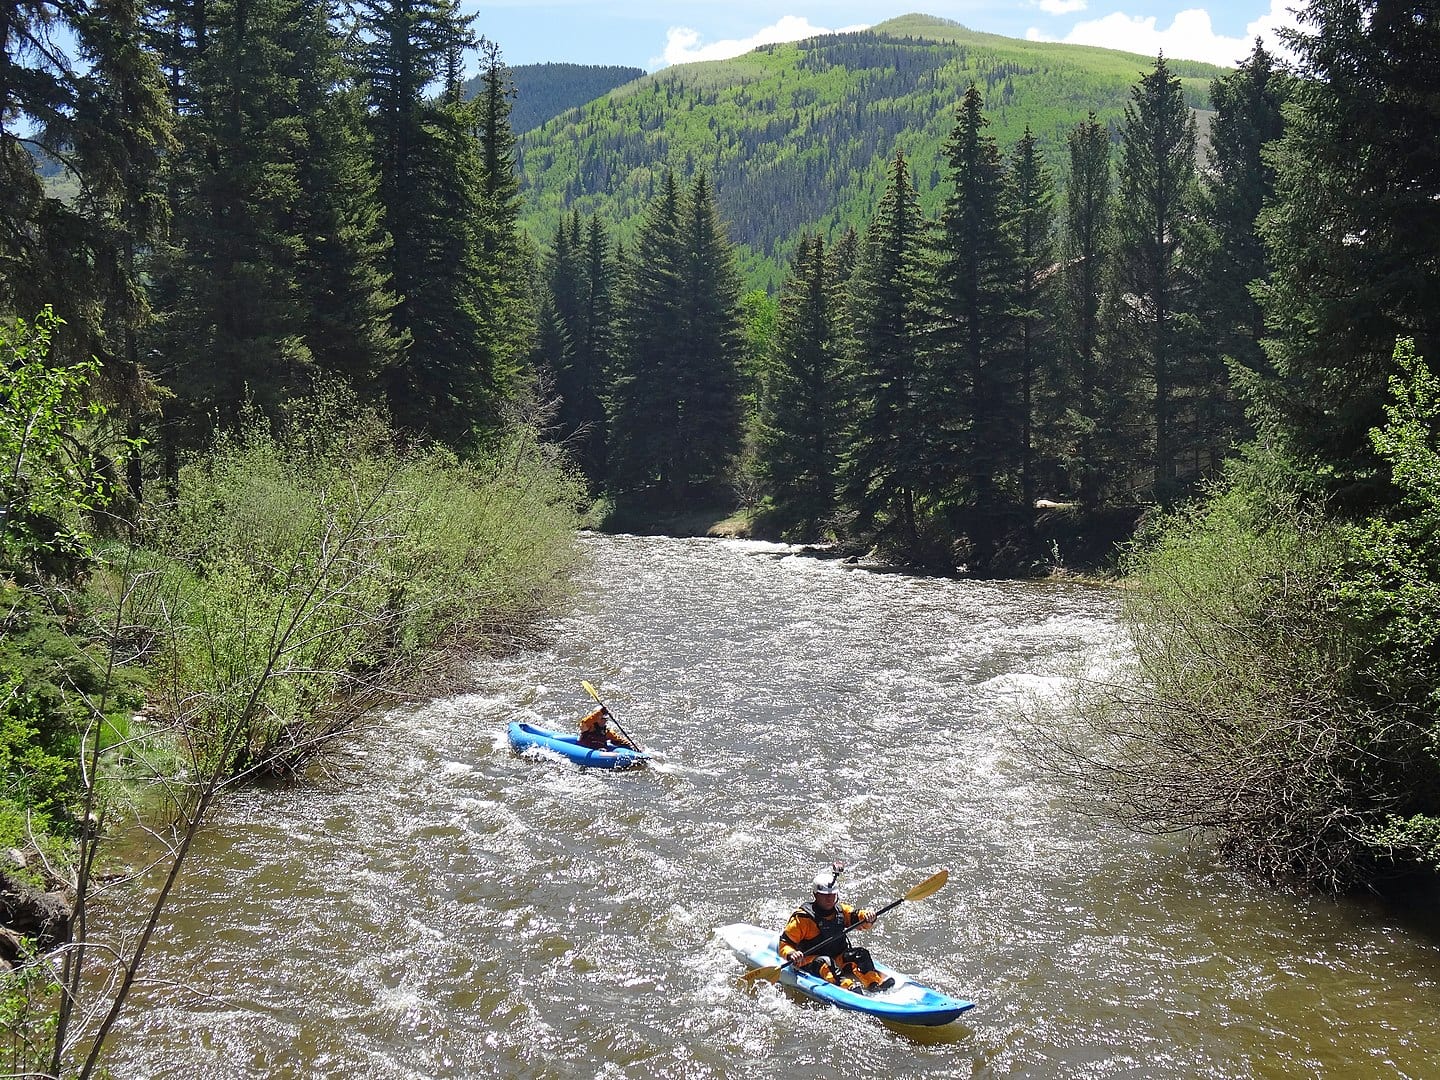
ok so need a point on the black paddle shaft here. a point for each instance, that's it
(611, 716)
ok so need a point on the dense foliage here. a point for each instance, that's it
(385, 561)
(1284, 694)
(544, 91)
(266, 428)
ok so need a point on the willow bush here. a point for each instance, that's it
(376, 566)
(292, 582)
(1391, 589)
(1282, 694)
(1236, 716)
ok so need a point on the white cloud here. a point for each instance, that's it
(682, 45)
(1191, 36)
(1062, 7)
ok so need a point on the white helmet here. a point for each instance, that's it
(825, 880)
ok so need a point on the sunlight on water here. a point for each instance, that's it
(435, 906)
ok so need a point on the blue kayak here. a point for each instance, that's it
(527, 736)
(907, 1002)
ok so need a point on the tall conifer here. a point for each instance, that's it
(1240, 181)
(344, 276)
(1032, 212)
(797, 436)
(235, 312)
(577, 349)
(674, 404)
(596, 344)
(711, 347)
(1153, 334)
(644, 405)
(1085, 247)
(972, 393)
(1353, 234)
(505, 302)
(78, 85)
(881, 465)
(434, 183)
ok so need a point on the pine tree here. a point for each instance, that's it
(711, 346)
(235, 313)
(104, 113)
(275, 273)
(881, 472)
(797, 440)
(674, 407)
(1353, 234)
(504, 304)
(573, 345)
(1031, 206)
(971, 390)
(1248, 118)
(643, 406)
(843, 255)
(344, 280)
(1086, 246)
(595, 349)
(1152, 329)
(433, 182)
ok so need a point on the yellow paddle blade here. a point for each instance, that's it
(929, 886)
(760, 974)
(590, 690)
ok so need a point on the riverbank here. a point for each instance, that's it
(718, 520)
(289, 585)
(1061, 540)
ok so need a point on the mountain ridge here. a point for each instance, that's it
(798, 136)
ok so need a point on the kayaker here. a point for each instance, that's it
(816, 939)
(596, 732)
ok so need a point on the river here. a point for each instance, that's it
(431, 905)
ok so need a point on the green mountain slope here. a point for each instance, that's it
(798, 136)
(545, 91)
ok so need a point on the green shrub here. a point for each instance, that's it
(56, 688)
(1244, 719)
(27, 1020)
(1287, 672)
(1391, 591)
(298, 579)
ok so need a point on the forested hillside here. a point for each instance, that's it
(544, 91)
(799, 136)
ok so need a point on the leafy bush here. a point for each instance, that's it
(299, 579)
(1391, 590)
(1287, 672)
(49, 478)
(55, 686)
(1239, 719)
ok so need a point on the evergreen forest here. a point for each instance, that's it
(544, 91)
(314, 364)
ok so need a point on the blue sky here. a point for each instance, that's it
(652, 34)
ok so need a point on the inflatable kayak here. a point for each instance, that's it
(526, 736)
(907, 1002)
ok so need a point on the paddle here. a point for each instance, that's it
(926, 888)
(591, 690)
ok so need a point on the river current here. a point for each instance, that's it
(432, 905)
